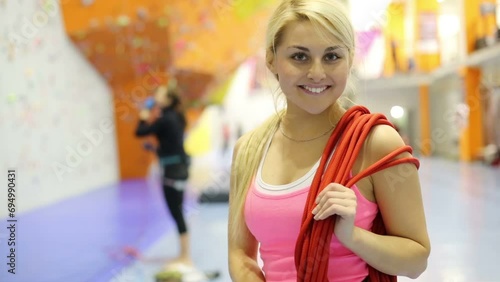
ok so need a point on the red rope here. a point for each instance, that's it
(313, 244)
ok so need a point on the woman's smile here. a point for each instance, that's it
(315, 90)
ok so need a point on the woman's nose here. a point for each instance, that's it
(316, 72)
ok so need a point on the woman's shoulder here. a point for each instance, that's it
(381, 141)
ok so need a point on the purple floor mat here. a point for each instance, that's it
(82, 239)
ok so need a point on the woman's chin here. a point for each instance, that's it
(315, 110)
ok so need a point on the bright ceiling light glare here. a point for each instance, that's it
(440, 1)
(397, 112)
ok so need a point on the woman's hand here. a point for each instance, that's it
(144, 114)
(339, 200)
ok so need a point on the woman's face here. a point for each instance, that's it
(312, 71)
(161, 97)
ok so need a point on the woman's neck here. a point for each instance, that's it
(301, 125)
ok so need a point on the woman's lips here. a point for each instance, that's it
(314, 90)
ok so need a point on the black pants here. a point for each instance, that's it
(174, 199)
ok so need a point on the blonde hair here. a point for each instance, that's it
(329, 18)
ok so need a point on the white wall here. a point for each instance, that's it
(383, 101)
(56, 113)
(445, 97)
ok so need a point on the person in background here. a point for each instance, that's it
(169, 129)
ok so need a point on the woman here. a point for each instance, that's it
(169, 130)
(309, 48)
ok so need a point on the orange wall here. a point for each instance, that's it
(78, 17)
(395, 33)
(213, 38)
(426, 62)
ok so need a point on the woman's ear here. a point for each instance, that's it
(270, 62)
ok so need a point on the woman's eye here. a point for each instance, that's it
(332, 57)
(299, 57)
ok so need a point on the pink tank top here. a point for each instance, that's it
(274, 220)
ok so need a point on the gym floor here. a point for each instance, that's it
(123, 232)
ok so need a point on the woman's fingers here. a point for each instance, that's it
(335, 199)
(342, 207)
(332, 187)
(331, 194)
(347, 194)
(340, 210)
